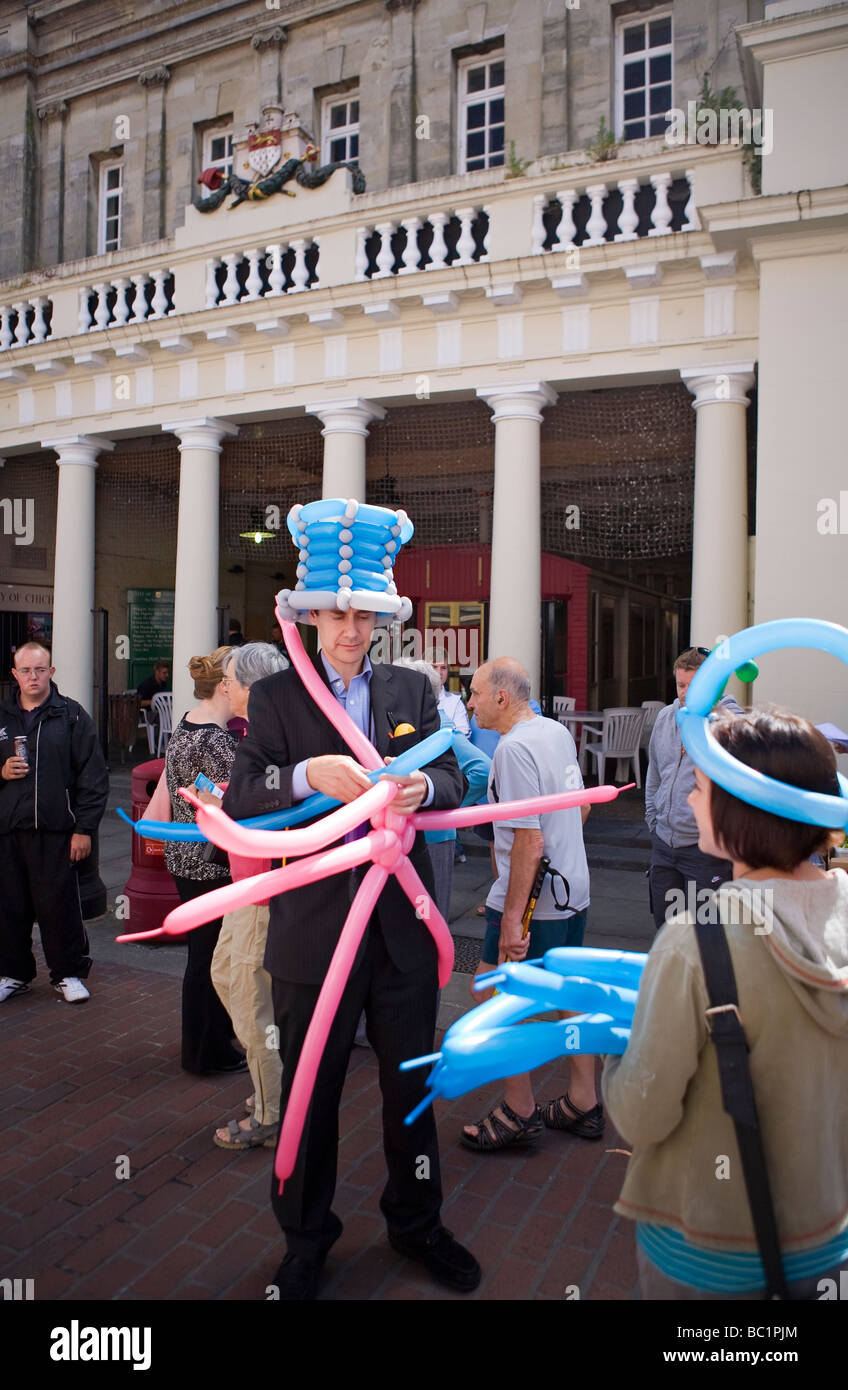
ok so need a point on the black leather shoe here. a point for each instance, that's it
(298, 1278)
(447, 1261)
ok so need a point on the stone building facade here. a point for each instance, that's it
(506, 330)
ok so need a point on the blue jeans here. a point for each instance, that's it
(545, 934)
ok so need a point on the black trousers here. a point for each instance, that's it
(39, 883)
(672, 870)
(207, 1032)
(400, 1012)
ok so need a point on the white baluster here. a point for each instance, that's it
(438, 249)
(360, 265)
(484, 248)
(566, 231)
(692, 222)
(596, 226)
(661, 215)
(253, 284)
(231, 284)
(102, 313)
(159, 303)
(169, 275)
(628, 219)
(465, 244)
(300, 272)
(121, 311)
(538, 232)
(277, 276)
(411, 254)
(316, 247)
(84, 316)
(140, 309)
(6, 335)
(212, 290)
(21, 329)
(385, 256)
(39, 327)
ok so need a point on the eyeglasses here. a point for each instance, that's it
(702, 651)
(32, 670)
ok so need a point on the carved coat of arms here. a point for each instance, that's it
(261, 152)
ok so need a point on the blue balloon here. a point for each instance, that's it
(484, 1045)
(418, 756)
(782, 799)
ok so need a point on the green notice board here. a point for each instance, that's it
(150, 620)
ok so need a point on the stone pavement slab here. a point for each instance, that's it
(94, 1092)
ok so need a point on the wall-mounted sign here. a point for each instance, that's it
(26, 598)
(150, 621)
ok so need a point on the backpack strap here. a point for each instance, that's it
(724, 1022)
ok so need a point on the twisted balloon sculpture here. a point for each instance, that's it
(386, 847)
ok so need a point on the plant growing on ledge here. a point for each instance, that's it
(515, 164)
(605, 146)
(718, 102)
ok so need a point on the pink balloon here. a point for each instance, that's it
(505, 810)
(360, 746)
(321, 1021)
(228, 834)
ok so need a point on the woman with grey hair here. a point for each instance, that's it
(238, 973)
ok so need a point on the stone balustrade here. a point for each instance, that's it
(261, 273)
(126, 300)
(25, 321)
(442, 239)
(592, 213)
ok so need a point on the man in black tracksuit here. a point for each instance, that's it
(51, 803)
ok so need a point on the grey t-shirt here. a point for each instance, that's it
(538, 758)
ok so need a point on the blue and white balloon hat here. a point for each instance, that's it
(347, 551)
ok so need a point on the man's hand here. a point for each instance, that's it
(13, 768)
(512, 945)
(80, 847)
(413, 790)
(338, 776)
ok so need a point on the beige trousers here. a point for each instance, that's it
(244, 987)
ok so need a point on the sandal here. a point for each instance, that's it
(586, 1124)
(493, 1134)
(257, 1136)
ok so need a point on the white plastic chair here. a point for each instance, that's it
(619, 738)
(652, 709)
(149, 728)
(163, 708)
(563, 704)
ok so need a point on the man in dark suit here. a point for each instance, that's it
(292, 750)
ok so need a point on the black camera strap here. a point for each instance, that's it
(724, 1022)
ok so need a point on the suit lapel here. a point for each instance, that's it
(382, 695)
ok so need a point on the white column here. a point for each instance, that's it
(73, 578)
(196, 583)
(720, 532)
(516, 585)
(345, 432)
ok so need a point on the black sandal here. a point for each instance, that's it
(586, 1124)
(493, 1134)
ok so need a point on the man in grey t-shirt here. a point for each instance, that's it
(534, 757)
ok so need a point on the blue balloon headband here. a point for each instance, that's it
(346, 554)
(781, 799)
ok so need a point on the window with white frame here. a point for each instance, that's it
(643, 76)
(217, 153)
(481, 112)
(340, 128)
(109, 207)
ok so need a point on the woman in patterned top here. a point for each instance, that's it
(201, 743)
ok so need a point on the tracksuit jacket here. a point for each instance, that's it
(67, 786)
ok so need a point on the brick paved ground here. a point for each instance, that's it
(82, 1086)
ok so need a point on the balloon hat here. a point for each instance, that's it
(346, 551)
(793, 803)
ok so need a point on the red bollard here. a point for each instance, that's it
(150, 888)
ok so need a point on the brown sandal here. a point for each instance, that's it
(493, 1134)
(585, 1124)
